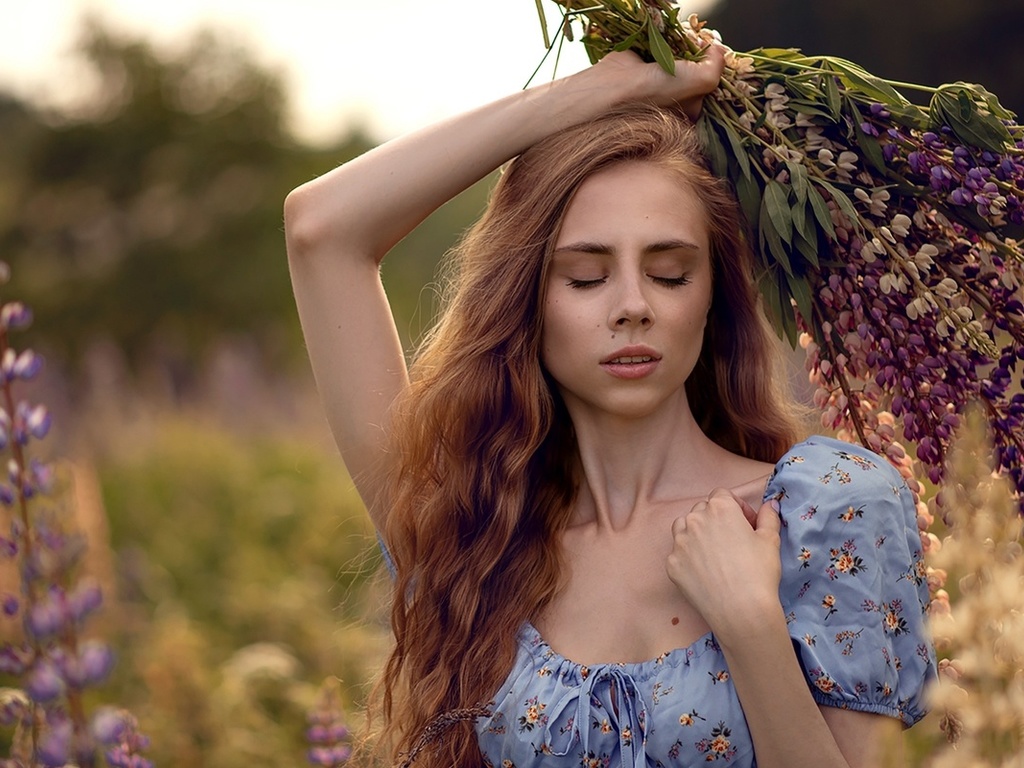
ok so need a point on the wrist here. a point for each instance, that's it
(750, 623)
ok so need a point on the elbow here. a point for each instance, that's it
(302, 231)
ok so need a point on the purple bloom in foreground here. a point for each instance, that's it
(14, 315)
(55, 744)
(330, 757)
(44, 682)
(96, 660)
(109, 726)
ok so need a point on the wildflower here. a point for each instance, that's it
(44, 682)
(54, 664)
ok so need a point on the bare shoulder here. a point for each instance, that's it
(744, 476)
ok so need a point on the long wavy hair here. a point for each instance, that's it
(480, 474)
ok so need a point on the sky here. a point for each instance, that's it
(387, 65)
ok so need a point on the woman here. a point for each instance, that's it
(588, 464)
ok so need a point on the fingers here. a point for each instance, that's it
(706, 73)
(768, 519)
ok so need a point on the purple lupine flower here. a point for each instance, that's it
(95, 661)
(330, 757)
(10, 604)
(14, 660)
(86, 598)
(108, 726)
(28, 365)
(54, 749)
(38, 422)
(41, 476)
(47, 617)
(44, 682)
(14, 315)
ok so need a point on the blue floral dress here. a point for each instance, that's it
(853, 589)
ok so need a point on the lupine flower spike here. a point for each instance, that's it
(327, 733)
(52, 662)
(887, 233)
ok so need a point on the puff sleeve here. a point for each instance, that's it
(853, 582)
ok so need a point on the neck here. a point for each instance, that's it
(629, 465)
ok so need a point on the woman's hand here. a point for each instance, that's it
(725, 561)
(649, 82)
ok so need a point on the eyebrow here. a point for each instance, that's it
(602, 249)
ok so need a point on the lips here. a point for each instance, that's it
(632, 356)
(635, 362)
(631, 360)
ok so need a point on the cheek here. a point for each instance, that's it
(565, 332)
(555, 330)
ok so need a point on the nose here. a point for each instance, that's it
(631, 306)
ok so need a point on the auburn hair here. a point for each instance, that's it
(480, 472)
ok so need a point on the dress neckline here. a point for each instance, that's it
(534, 642)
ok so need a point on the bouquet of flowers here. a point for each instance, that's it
(886, 232)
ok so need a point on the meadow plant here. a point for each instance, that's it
(981, 633)
(327, 733)
(887, 232)
(51, 663)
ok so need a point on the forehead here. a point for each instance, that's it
(632, 201)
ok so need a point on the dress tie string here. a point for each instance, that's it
(629, 712)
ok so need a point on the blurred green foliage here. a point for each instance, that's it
(151, 215)
(247, 571)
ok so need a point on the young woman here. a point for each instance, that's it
(590, 463)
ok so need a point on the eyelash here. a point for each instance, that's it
(668, 282)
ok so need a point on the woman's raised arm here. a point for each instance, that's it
(340, 226)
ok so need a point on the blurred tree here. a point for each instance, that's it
(150, 215)
(922, 41)
(153, 212)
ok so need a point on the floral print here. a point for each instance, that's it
(853, 602)
(533, 716)
(718, 747)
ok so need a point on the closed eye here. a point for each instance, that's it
(585, 283)
(671, 282)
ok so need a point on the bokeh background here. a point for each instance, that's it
(145, 151)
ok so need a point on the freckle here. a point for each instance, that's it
(675, 620)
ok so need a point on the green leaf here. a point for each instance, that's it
(821, 213)
(910, 116)
(789, 329)
(629, 42)
(843, 202)
(868, 144)
(659, 49)
(771, 243)
(776, 200)
(859, 79)
(596, 48)
(769, 288)
(955, 106)
(801, 293)
(781, 54)
(749, 193)
(798, 214)
(806, 244)
(798, 179)
(813, 108)
(835, 104)
(713, 147)
(966, 106)
(736, 144)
